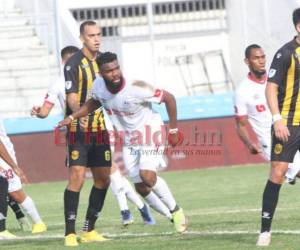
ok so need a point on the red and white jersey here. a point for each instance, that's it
(250, 101)
(130, 109)
(57, 91)
(4, 138)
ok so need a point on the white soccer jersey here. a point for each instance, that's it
(130, 109)
(4, 138)
(14, 182)
(250, 101)
(57, 90)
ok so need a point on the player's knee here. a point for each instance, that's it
(148, 178)
(102, 183)
(278, 172)
(76, 181)
(142, 189)
(19, 196)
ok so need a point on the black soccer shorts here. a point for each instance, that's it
(87, 150)
(285, 151)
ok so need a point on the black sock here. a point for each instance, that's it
(96, 201)
(270, 199)
(15, 207)
(175, 209)
(71, 200)
(3, 202)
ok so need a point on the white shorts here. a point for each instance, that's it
(138, 158)
(147, 156)
(14, 182)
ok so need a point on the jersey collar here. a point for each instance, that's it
(252, 78)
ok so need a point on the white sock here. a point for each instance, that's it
(117, 186)
(30, 209)
(158, 205)
(293, 167)
(131, 194)
(163, 192)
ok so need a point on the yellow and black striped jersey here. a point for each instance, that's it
(285, 72)
(80, 73)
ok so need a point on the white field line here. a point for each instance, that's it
(232, 211)
(138, 235)
(194, 212)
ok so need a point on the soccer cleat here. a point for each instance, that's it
(146, 215)
(71, 240)
(25, 225)
(291, 181)
(179, 220)
(264, 239)
(127, 217)
(6, 235)
(91, 236)
(39, 228)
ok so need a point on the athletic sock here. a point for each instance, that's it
(117, 187)
(158, 205)
(270, 199)
(96, 202)
(164, 194)
(71, 200)
(30, 209)
(293, 168)
(131, 194)
(16, 208)
(3, 203)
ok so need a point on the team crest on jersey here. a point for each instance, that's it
(68, 67)
(68, 84)
(75, 155)
(278, 55)
(272, 73)
(278, 148)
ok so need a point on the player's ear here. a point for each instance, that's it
(246, 60)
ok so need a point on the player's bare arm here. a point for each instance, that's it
(7, 158)
(241, 127)
(72, 100)
(90, 106)
(281, 130)
(42, 111)
(170, 102)
(73, 103)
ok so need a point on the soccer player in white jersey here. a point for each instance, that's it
(10, 170)
(251, 106)
(56, 90)
(130, 110)
(120, 186)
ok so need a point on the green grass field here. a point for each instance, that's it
(222, 205)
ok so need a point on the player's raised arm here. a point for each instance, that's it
(90, 106)
(42, 111)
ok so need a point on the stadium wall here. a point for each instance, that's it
(207, 123)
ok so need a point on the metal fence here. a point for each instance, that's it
(167, 17)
